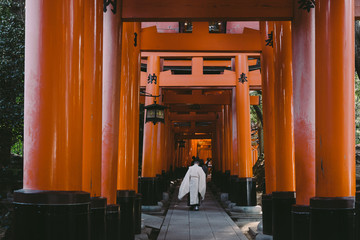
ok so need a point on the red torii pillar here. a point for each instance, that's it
(235, 158)
(332, 209)
(92, 114)
(268, 88)
(223, 143)
(228, 138)
(53, 124)
(148, 182)
(127, 174)
(247, 185)
(111, 102)
(303, 47)
(160, 145)
(112, 27)
(92, 102)
(129, 108)
(284, 197)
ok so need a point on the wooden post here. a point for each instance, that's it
(303, 46)
(111, 101)
(332, 209)
(53, 123)
(129, 108)
(92, 105)
(247, 185)
(284, 197)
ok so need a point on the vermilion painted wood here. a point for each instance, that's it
(200, 40)
(234, 130)
(207, 10)
(284, 127)
(228, 137)
(243, 118)
(223, 139)
(92, 105)
(303, 37)
(211, 10)
(129, 109)
(53, 123)
(334, 91)
(160, 148)
(111, 103)
(150, 130)
(268, 88)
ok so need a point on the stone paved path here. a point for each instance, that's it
(210, 223)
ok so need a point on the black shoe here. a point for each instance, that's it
(196, 208)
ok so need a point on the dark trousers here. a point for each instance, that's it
(188, 200)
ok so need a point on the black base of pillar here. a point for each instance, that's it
(137, 214)
(166, 180)
(246, 192)
(215, 176)
(357, 216)
(282, 204)
(233, 193)
(113, 222)
(159, 187)
(98, 218)
(126, 199)
(332, 218)
(226, 181)
(55, 215)
(300, 222)
(267, 213)
(147, 188)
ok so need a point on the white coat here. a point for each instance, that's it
(193, 182)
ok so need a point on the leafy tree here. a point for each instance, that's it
(12, 38)
(357, 81)
(357, 108)
(256, 115)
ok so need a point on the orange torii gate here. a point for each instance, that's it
(58, 51)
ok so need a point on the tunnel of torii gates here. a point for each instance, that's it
(83, 77)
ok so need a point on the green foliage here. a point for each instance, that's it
(12, 46)
(259, 173)
(357, 108)
(254, 116)
(17, 148)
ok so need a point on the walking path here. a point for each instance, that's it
(210, 223)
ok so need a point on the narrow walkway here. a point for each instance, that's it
(210, 223)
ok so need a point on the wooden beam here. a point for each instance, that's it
(223, 99)
(200, 40)
(187, 63)
(195, 54)
(227, 79)
(207, 10)
(193, 136)
(197, 108)
(357, 9)
(210, 117)
(202, 129)
(254, 100)
(197, 99)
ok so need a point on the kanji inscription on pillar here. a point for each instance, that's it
(152, 79)
(270, 41)
(113, 4)
(306, 4)
(135, 39)
(243, 78)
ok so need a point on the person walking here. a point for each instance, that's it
(194, 183)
